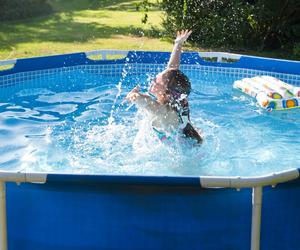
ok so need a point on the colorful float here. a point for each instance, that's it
(270, 92)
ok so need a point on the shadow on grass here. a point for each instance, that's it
(62, 27)
(65, 30)
(76, 5)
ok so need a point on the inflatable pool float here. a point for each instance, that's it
(270, 92)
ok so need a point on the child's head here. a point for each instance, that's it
(170, 84)
(177, 83)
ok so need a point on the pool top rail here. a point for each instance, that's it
(201, 181)
(133, 57)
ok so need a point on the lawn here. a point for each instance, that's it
(79, 25)
(84, 25)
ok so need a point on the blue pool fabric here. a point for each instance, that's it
(280, 228)
(69, 213)
(94, 212)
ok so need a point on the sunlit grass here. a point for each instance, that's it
(82, 27)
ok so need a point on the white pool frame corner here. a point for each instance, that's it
(18, 178)
(257, 184)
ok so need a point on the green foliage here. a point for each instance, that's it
(278, 23)
(20, 9)
(216, 22)
(296, 50)
(259, 24)
(144, 7)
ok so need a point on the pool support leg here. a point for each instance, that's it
(256, 217)
(3, 228)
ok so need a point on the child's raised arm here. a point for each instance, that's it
(174, 61)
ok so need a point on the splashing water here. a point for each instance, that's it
(119, 88)
(75, 123)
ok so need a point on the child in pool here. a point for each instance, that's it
(170, 110)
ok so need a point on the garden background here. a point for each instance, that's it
(43, 27)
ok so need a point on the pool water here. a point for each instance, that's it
(75, 122)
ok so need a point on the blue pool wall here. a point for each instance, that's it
(133, 57)
(132, 212)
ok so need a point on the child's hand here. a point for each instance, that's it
(133, 94)
(182, 36)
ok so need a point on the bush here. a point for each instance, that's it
(20, 9)
(217, 22)
(264, 24)
(296, 50)
(278, 23)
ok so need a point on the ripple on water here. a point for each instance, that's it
(62, 109)
(34, 92)
(77, 125)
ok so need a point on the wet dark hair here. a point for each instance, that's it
(178, 84)
(177, 81)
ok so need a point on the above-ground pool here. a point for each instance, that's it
(98, 177)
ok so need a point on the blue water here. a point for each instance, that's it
(76, 123)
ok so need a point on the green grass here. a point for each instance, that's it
(82, 25)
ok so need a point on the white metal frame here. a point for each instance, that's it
(105, 53)
(220, 55)
(256, 217)
(3, 227)
(13, 177)
(257, 184)
(8, 62)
